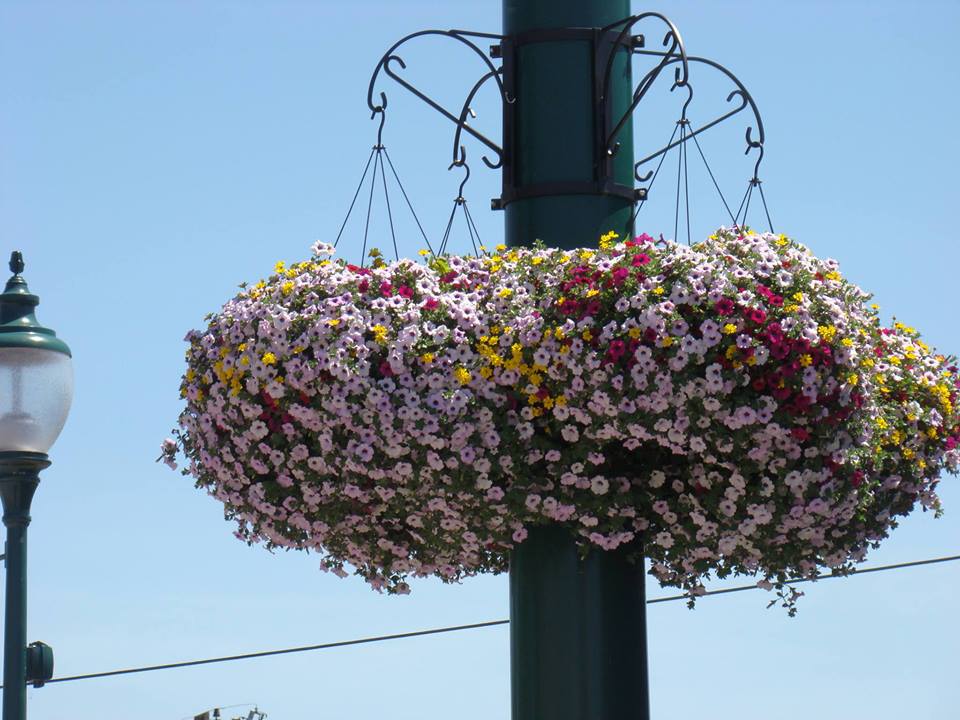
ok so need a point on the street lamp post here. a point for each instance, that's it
(36, 387)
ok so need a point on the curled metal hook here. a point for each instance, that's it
(381, 109)
(462, 122)
(756, 168)
(689, 87)
(459, 35)
(739, 92)
(461, 162)
(681, 74)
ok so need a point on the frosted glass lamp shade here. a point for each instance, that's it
(36, 389)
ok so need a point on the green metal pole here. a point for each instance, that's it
(19, 477)
(577, 625)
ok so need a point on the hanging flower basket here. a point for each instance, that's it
(731, 407)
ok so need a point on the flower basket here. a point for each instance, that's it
(731, 407)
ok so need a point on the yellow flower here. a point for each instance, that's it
(827, 332)
(586, 254)
(426, 358)
(666, 342)
(805, 360)
(280, 266)
(333, 322)
(287, 287)
(634, 333)
(591, 293)
(560, 400)
(931, 433)
(379, 334)
(548, 402)
(881, 423)
(729, 329)
(423, 253)
(191, 374)
(536, 260)
(907, 453)
(506, 292)
(269, 359)
(501, 247)
(832, 275)
(847, 342)
(606, 240)
(658, 291)
(485, 372)
(798, 296)
(853, 379)
(587, 335)
(462, 375)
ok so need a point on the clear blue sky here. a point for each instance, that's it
(155, 154)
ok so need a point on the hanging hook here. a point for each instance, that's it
(689, 87)
(461, 162)
(756, 168)
(381, 108)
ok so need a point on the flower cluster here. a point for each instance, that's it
(731, 407)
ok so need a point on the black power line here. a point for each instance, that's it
(455, 628)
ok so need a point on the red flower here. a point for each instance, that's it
(385, 369)
(757, 315)
(617, 349)
(386, 289)
(724, 306)
(448, 277)
(640, 259)
(857, 479)
(800, 434)
(430, 304)
(363, 285)
(405, 291)
(642, 238)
